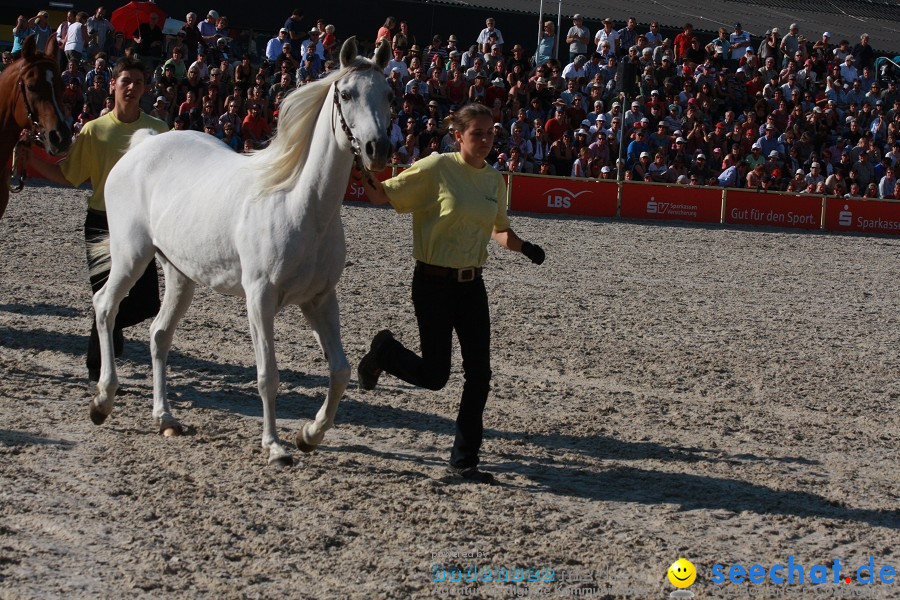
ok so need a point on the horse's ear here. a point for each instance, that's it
(383, 55)
(52, 47)
(29, 47)
(348, 51)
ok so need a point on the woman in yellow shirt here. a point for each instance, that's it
(458, 204)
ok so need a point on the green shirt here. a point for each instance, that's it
(455, 209)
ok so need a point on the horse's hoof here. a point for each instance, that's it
(97, 417)
(283, 461)
(169, 427)
(302, 444)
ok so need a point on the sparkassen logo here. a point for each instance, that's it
(845, 217)
(562, 198)
(682, 575)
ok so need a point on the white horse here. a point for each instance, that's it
(266, 227)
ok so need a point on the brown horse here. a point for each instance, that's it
(31, 92)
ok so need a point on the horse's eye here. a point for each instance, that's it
(32, 88)
(345, 96)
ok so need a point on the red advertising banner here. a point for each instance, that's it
(799, 211)
(356, 192)
(867, 216)
(672, 202)
(581, 197)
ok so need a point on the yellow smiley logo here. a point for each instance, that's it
(682, 573)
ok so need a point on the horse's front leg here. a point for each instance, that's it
(4, 190)
(261, 309)
(324, 317)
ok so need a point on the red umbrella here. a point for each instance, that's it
(129, 17)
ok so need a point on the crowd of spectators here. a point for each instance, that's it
(784, 113)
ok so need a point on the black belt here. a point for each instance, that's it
(462, 275)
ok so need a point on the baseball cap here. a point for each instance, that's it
(645, 154)
(395, 70)
(283, 30)
(576, 17)
(605, 170)
(701, 157)
(815, 165)
(827, 34)
(773, 154)
(799, 172)
(162, 99)
(213, 14)
(680, 140)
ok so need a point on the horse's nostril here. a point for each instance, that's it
(370, 149)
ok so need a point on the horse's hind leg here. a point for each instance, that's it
(127, 265)
(324, 317)
(261, 309)
(176, 300)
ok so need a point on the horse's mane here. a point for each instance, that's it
(281, 163)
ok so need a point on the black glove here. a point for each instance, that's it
(534, 252)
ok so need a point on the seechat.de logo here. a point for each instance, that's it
(562, 198)
(845, 217)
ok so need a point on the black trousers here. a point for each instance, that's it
(142, 301)
(442, 306)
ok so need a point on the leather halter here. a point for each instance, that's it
(354, 141)
(36, 132)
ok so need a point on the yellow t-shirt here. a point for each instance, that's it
(98, 148)
(455, 209)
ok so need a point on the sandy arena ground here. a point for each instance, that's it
(729, 396)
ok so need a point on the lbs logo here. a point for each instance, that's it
(562, 198)
(845, 217)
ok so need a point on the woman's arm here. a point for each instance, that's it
(375, 193)
(508, 239)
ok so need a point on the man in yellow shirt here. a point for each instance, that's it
(99, 146)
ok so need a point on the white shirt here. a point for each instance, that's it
(75, 37)
(570, 71)
(483, 36)
(735, 38)
(611, 37)
(401, 65)
(320, 49)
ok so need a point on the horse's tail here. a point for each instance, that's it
(139, 136)
(99, 260)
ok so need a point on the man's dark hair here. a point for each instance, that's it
(297, 12)
(128, 64)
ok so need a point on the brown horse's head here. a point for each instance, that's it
(39, 95)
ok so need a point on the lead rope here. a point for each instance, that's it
(354, 143)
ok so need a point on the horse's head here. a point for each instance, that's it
(39, 94)
(364, 98)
